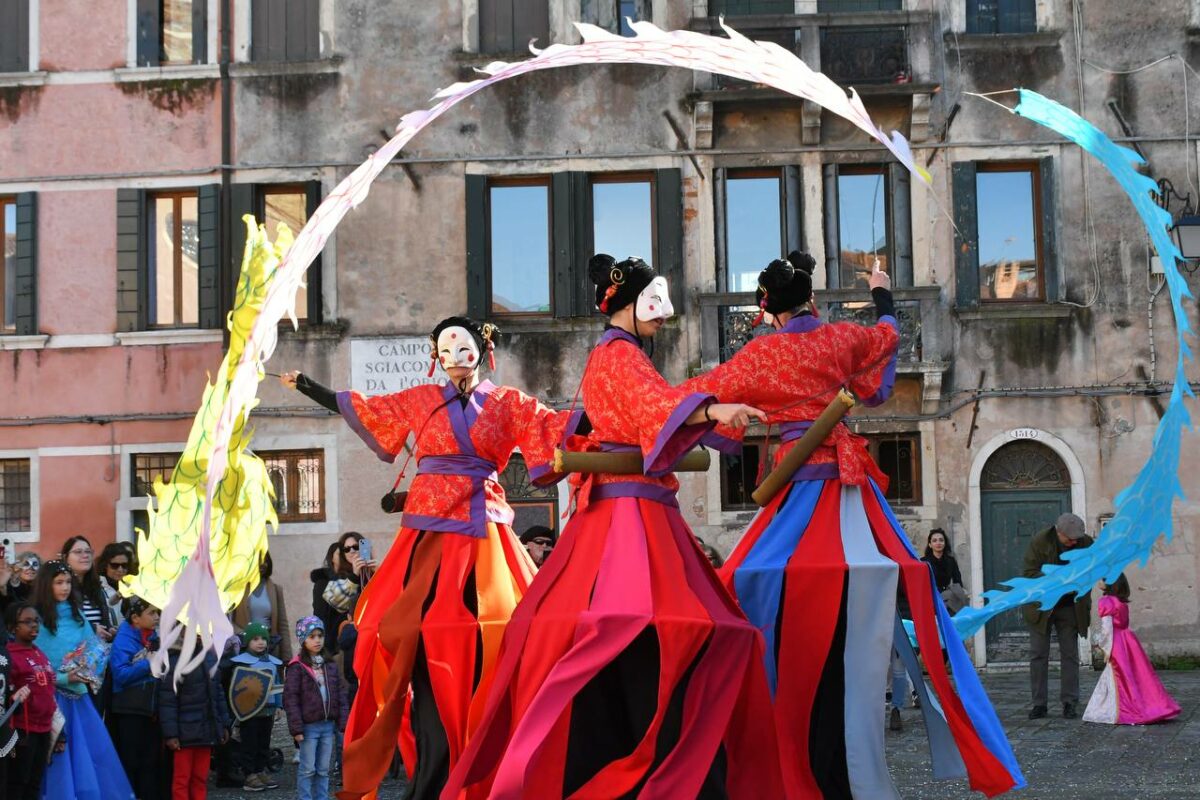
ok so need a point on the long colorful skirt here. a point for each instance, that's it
(626, 672)
(430, 623)
(817, 572)
(88, 769)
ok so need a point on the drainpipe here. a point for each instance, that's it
(226, 281)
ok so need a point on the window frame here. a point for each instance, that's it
(19, 534)
(256, 24)
(145, 42)
(151, 232)
(1034, 168)
(504, 182)
(729, 174)
(971, 19)
(7, 327)
(27, 60)
(641, 176)
(914, 441)
(751, 441)
(313, 304)
(291, 456)
(481, 14)
(716, 8)
(889, 220)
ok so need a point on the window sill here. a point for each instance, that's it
(21, 536)
(14, 342)
(186, 336)
(254, 69)
(11, 79)
(180, 72)
(770, 95)
(328, 331)
(1041, 40)
(822, 19)
(1015, 311)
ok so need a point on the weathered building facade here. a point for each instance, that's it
(1037, 342)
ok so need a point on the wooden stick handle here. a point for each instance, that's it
(821, 428)
(622, 463)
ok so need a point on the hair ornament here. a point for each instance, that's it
(608, 295)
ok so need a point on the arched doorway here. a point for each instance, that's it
(1024, 486)
(531, 505)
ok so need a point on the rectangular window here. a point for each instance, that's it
(299, 480)
(740, 474)
(14, 36)
(626, 10)
(172, 250)
(287, 205)
(754, 226)
(519, 243)
(743, 8)
(1001, 16)
(862, 222)
(508, 26)
(177, 31)
(16, 511)
(623, 216)
(858, 6)
(146, 467)
(899, 456)
(8, 265)
(285, 30)
(1008, 213)
(171, 32)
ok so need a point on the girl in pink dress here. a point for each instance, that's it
(1129, 691)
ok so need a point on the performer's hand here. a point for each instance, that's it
(288, 379)
(879, 279)
(735, 415)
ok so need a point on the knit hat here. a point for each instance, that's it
(255, 630)
(307, 625)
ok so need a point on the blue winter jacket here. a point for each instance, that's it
(127, 673)
(194, 712)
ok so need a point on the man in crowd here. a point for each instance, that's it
(1069, 618)
(538, 541)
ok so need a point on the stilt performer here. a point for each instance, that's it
(433, 615)
(817, 570)
(627, 671)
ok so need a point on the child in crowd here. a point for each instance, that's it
(314, 698)
(30, 672)
(195, 719)
(134, 708)
(8, 736)
(256, 730)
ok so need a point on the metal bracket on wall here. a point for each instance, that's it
(975, 411)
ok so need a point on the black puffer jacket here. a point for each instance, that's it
(195, 712)
(322, 610)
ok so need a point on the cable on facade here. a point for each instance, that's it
(167, 416)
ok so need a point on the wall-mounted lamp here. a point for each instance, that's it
(1186, 227)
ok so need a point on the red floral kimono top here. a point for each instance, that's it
(460, 450)
(794, 373)
(631, 407)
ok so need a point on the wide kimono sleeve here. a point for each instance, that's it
(383, 421)
(634, 388)
(738, 380)
(875, 352)
(539, 431)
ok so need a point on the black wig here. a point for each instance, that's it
(785, 285)
(618, 283)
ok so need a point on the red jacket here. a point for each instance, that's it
(30, 667)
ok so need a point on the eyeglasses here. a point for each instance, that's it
(350, 548)
(542, 542)
(123, 565)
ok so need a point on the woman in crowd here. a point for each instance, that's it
(133, 714)
(30, 671)
(626, 670)
(1129, 691)
(86, 767)
(344, 569)
(265, 605)
(818, 569)
(16, 580)
(93, 604)
(939, 556)
(113, 565)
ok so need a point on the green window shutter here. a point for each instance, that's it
(149, 33)
(242, 201)
(562, 226)
(832, 229)
(14, 36)
(583, 240)
(304, 31)
(316, 296)
(478, 288)
(209, 255)
(900, 225)
(199, 32)
(131, 260)
(1050, 272)
(966, 238)
(25, 302)
(720, 234)
(793, 209)
(668, 214)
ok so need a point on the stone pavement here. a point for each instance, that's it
(1062, 759)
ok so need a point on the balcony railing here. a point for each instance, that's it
(726, 321)
(866, 55)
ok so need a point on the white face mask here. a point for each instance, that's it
(654, 302)
(456, 347)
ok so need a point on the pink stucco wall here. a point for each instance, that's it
(77, 262)
(90, 129)
(67, 45)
